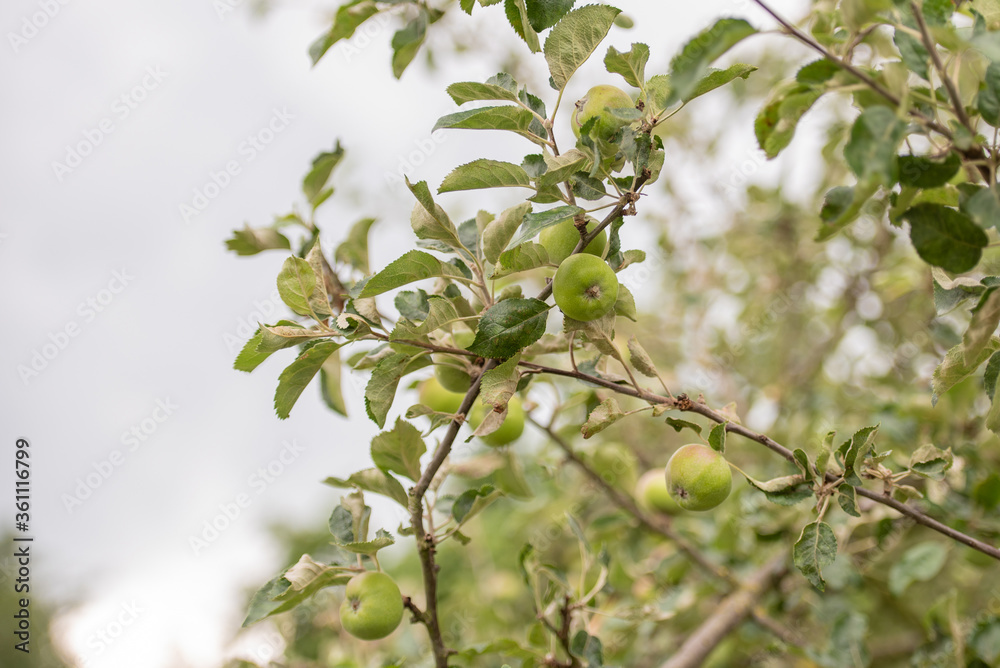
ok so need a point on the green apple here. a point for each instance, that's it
(451, 371)
(435, 397)
(616, 464)
(585, 287)
(698, 477)
(651, 493)
(560, 240)
(509, 431)
(373, 606)
(599, 101)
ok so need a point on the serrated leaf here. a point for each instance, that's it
(428, 220)
(640, 359)
(512, 119)
(523, 257)
(871, 150)
(985, 318)
(470, 502)
(717, 437)
(517, 15)
(777, 120)
(293, 587)
(860, 445)
(381, 389)
(250, 240)
(440, 313)
(543, 14)
(575, 38)
(631, 66)
(944, 237)
(847, 498)
(954, 368)
(603, 416)
(411, 267)
(784, 491)
(371, 480)
(382, 539)
(815, 549)
(718, 78)
(330, 384)
(498, 233)
(294, 379)
(301, 289)
(322, 167)
(499, 383)
(399, 450)
(559, 168)
(406, 42)
(471, 91)
(931, 462)
(691, 65)
(485, 174)
(509, 326)
(536, 222)
(913, 53)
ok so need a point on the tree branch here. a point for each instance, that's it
(956, 99)
(733, 610)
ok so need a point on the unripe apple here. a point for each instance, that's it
(698, 477)
(372, 607)
(448, 368)
(616, 464)
(435, 397)
(509, 431)
(585, 287)
(599, 101)
(651, 493)
(560, 240)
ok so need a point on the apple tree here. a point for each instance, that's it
(576, 444)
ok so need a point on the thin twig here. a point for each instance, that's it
(956, 99)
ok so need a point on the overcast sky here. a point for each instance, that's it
(123, 314)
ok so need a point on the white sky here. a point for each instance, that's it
(159, 332)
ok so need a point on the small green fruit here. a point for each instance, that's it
(435, 397)
(560, 240)
(698, 477)
(616, 464)
(373, 606)
(509, 431)
(599, 101)
(448, 368)
(585, 287)
(651, 493)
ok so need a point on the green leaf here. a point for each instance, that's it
(603, 416)
(817, 72)
(353, 251)
(517, 15)
(913, 53)
(717, 437)
(871, 150)
(631, 66)
(298, 374)
(954, 368)
(784, 491)
(679, 424)
(842, 206)
(990, 375)
(985, 639)
(640, 359)
(301, 289)
(293, 587)
(922, 172)
(485, 174)
(815, 548)
(413, 266)
(718, 78)
(330, 384)
(944, 237)
(429, 220)
(499, 383)
(985, 318)
(512, 119)
(523, 257)
(949, 293)
(349, 17)
(560, 168)
(860, 445)
(470, 502)
(381, 389)
(536, 222)
(543, 14)
(440, 313)
(918, 564)
(406, 42)
(318, 176)
(250, 240)
(691, 65)
(931, 462)
(502, 87)
(989, 95)
(574, 38)
(848, 500)
(382, 539)
(269, 339)
(412, 305)
(509, 326)
(498, 233)
(984, 208)
(775, 125)
(399, 450)
(375, 481)
(625, 304)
